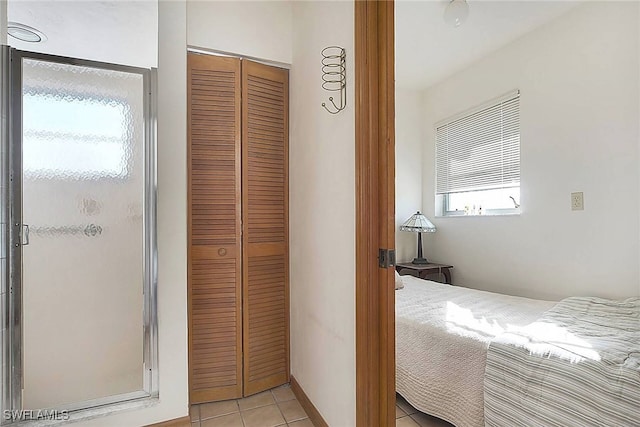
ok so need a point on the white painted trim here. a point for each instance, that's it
(205, 51)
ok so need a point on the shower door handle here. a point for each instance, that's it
(25, 235)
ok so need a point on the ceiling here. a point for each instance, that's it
(119, 32)
(428, 50)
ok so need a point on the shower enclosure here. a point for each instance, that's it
(78, 248)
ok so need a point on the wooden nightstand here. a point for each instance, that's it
(423, 270)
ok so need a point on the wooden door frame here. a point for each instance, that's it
(375, 212)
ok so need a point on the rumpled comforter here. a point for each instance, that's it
(577, 366)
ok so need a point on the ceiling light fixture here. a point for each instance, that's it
(456, 12)
(25, 33)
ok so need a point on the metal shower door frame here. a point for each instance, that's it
(12, 201)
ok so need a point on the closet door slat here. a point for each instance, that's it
(214, 228)
(265, 184)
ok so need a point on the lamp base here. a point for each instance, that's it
(419, 261)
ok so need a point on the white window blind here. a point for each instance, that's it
(480, 149)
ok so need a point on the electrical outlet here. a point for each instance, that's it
(577, 201)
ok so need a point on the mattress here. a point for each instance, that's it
(442, 336)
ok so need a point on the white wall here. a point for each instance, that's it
(172, 220)
(322, 220)
(409, 148)
(172, 298)
(260, 29)
(579, 85)
(322, 177)
(115, 31)
(322, 196)
(3, 22)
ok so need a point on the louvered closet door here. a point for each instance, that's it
(215, 257)
(265, 184)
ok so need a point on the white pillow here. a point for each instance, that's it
(399, 282)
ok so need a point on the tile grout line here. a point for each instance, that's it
(294, 421)
(285, 420)
(240, 413)
(286, 423)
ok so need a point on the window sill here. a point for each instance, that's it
(462, 215)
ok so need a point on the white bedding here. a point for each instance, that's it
(442, 336)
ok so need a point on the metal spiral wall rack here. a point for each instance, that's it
(334, 76)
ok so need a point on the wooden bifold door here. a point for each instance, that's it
(238, 255)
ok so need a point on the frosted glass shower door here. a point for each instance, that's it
(83, 199)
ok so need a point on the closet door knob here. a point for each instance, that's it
(222, 251)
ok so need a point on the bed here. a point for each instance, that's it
(474, 358)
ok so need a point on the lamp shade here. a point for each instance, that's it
(418, 223)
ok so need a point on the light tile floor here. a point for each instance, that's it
(408, 416)
(276, 407)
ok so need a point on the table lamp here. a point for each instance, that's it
(418, 223)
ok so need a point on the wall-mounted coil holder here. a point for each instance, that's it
(334, 76)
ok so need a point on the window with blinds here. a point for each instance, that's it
(478, 159)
